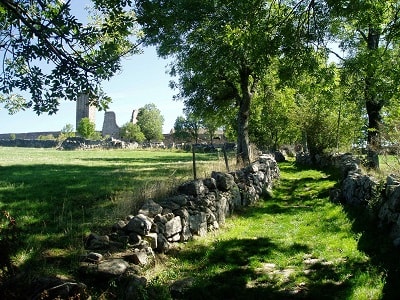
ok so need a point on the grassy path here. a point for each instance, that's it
(294, 245)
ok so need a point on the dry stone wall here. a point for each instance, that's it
(29, 143)
(381, 198)
(196, 208)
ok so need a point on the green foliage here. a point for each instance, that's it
(221, 49)
(50, 54)
(181, 133)
(13, 136)
(273, 122)
(187, 129)
(86, 128)
(12, 103)
(150, 121)
(367, 33)
(132, 132)
(66, 132)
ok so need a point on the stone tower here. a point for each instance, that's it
(134, 116)
(84, 110)
(110, 126)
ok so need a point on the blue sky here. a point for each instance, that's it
(143, 79)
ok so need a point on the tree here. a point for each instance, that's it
(180, 131)
(132, 132)
(221, 49)
(211, 124)
(272, 122)
(151, 121)
(193, 126)
(367, 32)
(86, 128)
(50, 54)
(67, 131)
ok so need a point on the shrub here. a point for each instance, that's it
(86, 128)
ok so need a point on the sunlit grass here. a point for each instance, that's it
(294, 245)
(58, 197)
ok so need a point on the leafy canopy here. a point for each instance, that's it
(150, 121)
(221, 49)
(50, 54)
(132, 132)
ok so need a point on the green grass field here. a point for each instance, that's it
(293, 245)
(58, 197)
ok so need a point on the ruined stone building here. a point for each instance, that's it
(110, 126)
(84, 109)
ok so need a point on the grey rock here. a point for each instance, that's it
(173, 227)
(135, 287)
(162, 244)
(140, 224)
(139, 257)
(97, 242)
(179, 287)
(194, 188)
(112, 267)
(224, 181)
(150, 208)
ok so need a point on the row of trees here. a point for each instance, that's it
(262, 68)
(225, 52)
(188, 128)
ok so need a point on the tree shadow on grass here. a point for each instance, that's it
(54, 205)
(229, 272)
(376, 243)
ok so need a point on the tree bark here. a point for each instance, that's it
(373, 104)
(243, 142)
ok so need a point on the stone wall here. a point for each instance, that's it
(195, 208)
(29, 143)
(79, 143)
(73, 143)
(380, 197)
(29, 135)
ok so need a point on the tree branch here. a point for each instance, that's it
(24, 17)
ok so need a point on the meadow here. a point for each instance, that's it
(59, 197)
(294, 244)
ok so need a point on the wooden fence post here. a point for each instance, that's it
(226, 157)
(194, 163)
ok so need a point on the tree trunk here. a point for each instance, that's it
(373, 105)
(243, 142)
